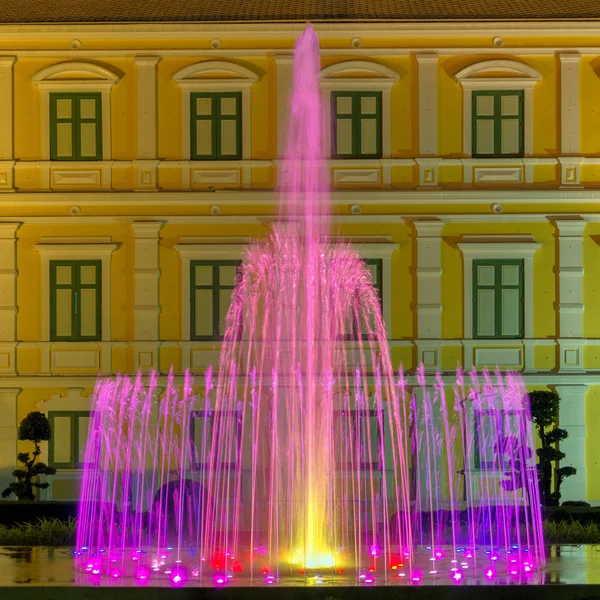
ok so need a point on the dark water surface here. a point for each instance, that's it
(38, 566)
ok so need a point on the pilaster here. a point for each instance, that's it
(6, 107)
(569, 102)
(572, 418)
(285, 73)
(8, 434)
(428, 120)
(146, 284)
(429, 295)
(570, 298)
(146, 165)
(8, 282)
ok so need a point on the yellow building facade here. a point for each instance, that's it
(465, 166)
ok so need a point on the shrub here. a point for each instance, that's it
(33, 428)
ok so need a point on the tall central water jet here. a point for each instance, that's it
(303, 334)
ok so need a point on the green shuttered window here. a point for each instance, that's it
(357, 437)
(216, 126)
(211, 285)
(75, 300)
(356, 125)
(202, 429)
(491, 429)
(497, 123)
(66, 449)
(497, 298)
(75, 126)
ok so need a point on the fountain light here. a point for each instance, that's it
(457, 576)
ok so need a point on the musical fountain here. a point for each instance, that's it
(306, 459)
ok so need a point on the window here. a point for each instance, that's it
(356, 125)
(358, 438)
(216, 126)
(75, 300)
(498, 298)
(75, 126)
(498, 123)
(375, 267)
(498, 439)
(211, 285)
(202, 426)
(69, 437)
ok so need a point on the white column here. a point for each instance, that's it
(428, 117)
(285, 72)
(569, 102)
(146, 121)
(570, 299)
(8, 281)
(429, 291)
(146, 292)
(8, 435)
(572, 418)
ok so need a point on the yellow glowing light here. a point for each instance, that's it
(322, 559)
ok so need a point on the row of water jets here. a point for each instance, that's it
(177, 488)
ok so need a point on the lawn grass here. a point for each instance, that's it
(46, 532)
(54, 532)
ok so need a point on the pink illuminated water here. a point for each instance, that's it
(306, 454)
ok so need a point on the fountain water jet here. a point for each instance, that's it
(298, 459)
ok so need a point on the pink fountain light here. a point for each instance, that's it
(297, 457)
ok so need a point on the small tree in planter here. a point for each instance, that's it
(33, 428)
(544, 413)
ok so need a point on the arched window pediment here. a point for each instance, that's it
(354, 72)
(215, 72)
(504, 71)
(75, 72)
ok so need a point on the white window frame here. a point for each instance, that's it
(492, 247)
(339, 78)
(519, 77)
(198, 251)
(379, 251)
(197, 78)
(74, 77)
(76, 249)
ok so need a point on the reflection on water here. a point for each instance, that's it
(55, 566)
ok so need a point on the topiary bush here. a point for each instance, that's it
(544, 413)
(35, 428)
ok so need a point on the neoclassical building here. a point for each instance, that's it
(140, 152)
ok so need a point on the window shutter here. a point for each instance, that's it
(63, 127)
(62, 300)
(89, 132)
(344, 134)
(62, 440)
(511, 293)
(229, 117)
(368, 107)
(485, 300)
(203, 108)
(88, 298)
(83, 424)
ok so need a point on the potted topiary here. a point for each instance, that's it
(33, 428)
(544, 413)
